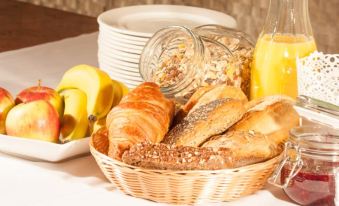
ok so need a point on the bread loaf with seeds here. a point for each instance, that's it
(208, 94)
(231, 150)
(206, 121)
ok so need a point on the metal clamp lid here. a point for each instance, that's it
(292, 153)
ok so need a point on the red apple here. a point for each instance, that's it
(35, 120)
(6, 103)
(41, 93)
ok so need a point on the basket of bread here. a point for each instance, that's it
(217, 147)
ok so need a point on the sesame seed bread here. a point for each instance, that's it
(208, 94)
(208, 120)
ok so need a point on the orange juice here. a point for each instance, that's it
(274, 64)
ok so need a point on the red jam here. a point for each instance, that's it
(313, 185)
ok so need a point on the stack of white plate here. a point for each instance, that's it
(123, 33)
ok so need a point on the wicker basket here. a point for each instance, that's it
(184, 187)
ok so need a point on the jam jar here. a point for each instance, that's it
(180, 60)
(309, 171)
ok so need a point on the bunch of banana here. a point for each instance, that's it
(89, 94)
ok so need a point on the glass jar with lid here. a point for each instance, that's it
(180, 60)
(309, 170)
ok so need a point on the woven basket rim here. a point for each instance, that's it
(256, 166)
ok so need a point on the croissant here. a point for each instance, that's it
(143, 115)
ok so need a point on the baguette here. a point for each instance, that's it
(206, 121)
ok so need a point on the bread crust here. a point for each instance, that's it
(173, 157)
(207, 94)
(143, 115)
(206, 121)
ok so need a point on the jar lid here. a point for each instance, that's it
(320, 142)
(318, 111)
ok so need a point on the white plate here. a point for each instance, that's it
(118, 74)
(123, 48)
(143, 21)
(111, 38)
(120, 69)
(107, 30)
(110, 56)
(113, 43)
(124, 78)
(125, 81)
(128, 66)
(42, 150)
(110, 51)
(109, 68)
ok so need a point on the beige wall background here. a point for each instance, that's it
(250, 14)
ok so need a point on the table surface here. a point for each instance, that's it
(24, 24)
(77, 181)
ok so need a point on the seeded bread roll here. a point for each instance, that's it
(171, 157)
(237, 149)
(220, 92)
(207, 94)
(206, 121)
(183, 111)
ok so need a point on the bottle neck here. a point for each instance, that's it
(288, 17)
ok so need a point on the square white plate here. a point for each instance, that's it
(41, 150)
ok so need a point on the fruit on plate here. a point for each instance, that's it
(6, 103)
(97, 86)
(99, 124)
(41, 93)
(36, 120)
(74, 122)
(125, 89)
(120, 90)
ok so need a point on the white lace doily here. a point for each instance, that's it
(318, 77)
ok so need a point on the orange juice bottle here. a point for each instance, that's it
(287, 35)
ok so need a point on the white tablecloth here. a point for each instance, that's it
(78, 181)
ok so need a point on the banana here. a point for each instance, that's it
(124, 89)
(99, 124)
(97, 86)
(120, 90)
(75, 121)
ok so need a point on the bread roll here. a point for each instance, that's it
(220, 92)
(206, 121)
(268, 115)
(208, 94)
(247, 146)
(142, 115)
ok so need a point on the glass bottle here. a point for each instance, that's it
(286, 36)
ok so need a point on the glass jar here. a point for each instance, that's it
(286, 36)
(180, 60)
(309, 171)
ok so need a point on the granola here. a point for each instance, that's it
(219, 65)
